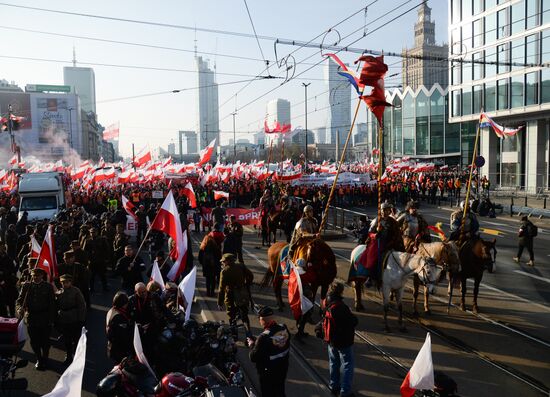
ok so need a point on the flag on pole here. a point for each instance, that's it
(112, 132)
(138, 347)
(372, 74)
(143, 157)
(35, 247)
(190, 194)
(348, 74)
(129, 207)
(156, 275)
(168, 222)
(13, 160)
(47, 260)
(219, 195)
(299, 304)
(206, 153)
(187, 288)
(421, 374)
(70, 383)
(502, 132)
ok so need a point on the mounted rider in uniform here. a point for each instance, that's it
(388, 230)
(413, 226)
(306, 227)
(471, 224)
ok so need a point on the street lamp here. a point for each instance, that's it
(305, 154)
(234, 139)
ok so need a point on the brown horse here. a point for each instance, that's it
(321, 265)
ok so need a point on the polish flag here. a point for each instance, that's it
(421, 374)
(138, 348)
(156, 275)
(299, 304)
(167, 162)
(190, 194)
(35, 248)
(129, 207)
(206, 153)
(47, 260)
(143, 157)
(219, 195)
(168, 222)
(13, 160)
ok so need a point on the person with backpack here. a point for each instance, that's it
(337, 328)
(527, 232)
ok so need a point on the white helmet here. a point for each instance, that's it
(308, 208)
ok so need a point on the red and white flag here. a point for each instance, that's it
(13, 160)
(219, 195)
(129, 207)
(167, 162)
(168, 222)
(206, 153)
(143, 157)
(112, 132)
(421, 374)
(138, 347)
(47, 260)
(35, 248)
(299, 304)
(156, 275)
(190, 194)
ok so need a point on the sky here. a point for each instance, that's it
(154, 120)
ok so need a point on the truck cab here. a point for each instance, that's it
(42, 195)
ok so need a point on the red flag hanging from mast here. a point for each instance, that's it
(372, 74)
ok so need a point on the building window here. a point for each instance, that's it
(531, 88)
(532, 18)
(422, 135)
(518, 17)
(490, 4)
(478, 6)
(397, 126)
(545, 48)
(490, 97)
(456, 73)
(502, 94)
(455, 10)
(477, 64)
(455, 42)
(545, 11)
(490, 62)
(491, 28)
(437, 122)
(503, 24)
(503, 59)
(466, 9)
(477, 98)
(478, 33)
(456, 103)
(467, 70)
(466, 37)
(518, 53)
(532, 49)
(408, 125)
(466, 101)
(545, 86)
(516, 91)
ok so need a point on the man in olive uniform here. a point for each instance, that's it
(79, 255)
(270, 352)
(235, 280)
(237, 229)
(36, 304)
(80, 274)
(99, 252)
(120, 241)
(71, 314)
(413, 227)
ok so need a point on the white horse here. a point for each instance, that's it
(399, 266)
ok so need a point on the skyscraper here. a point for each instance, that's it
(338, 98)
(277, 110)
(417, 72)
(82, 82)
(188, 142)
(207, 104)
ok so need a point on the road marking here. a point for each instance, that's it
(441, 217)
(532, 276)
(492, 232)
(524, 300)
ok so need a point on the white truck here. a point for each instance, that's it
(42, 195)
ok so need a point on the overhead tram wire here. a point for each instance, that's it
(255, 34)
(353, 42)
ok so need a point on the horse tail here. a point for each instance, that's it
(267, 279)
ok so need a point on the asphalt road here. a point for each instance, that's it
(502, 351)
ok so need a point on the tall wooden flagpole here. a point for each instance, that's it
(467, 199)
(380, 169)
(342, 158)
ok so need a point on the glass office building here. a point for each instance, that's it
(499, 56)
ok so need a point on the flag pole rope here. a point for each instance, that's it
(342, 158)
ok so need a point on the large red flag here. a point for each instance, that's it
(190, 194)
(129, 207)
(47, 260)
(299, 304)
(168, 222)
(206, 153)
(143, 157)
(372, 74)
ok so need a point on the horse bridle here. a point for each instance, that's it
(425, 273)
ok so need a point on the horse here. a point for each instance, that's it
(475, 256)
(270, 222)
(315, 253)
(399, 265)
(444, 254)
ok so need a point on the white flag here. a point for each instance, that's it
(139, 350)
(187, 288)
(21, 331)
(156, 275)
(70, 383)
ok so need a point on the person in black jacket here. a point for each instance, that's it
(130, 268)
(270, 351)
(526, 234)
(341, 337)
(120, 330)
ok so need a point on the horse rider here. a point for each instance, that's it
(306, 227)
(388, 230)
(414, 227)
(471, 224)
(266, 201)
